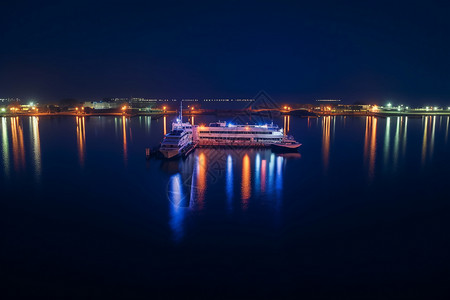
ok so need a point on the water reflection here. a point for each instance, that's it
(279, 176)
(17, 143)
(446, 130)
(164, 125)
(124, 134)
(246, 181)
(263, 175)
(433, 130)
(177, 211)
(405, 130)
(425, 140)
(5, 147)
(198, 185)
(148, 123)
(386, 142)
(286, 124)
(370, 144)
(36, 141)
(81, 139)
(270, 173)
(229, 181)
(326, 140)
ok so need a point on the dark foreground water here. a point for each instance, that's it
(362, 212)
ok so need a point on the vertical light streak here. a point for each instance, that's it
(366, 138)
(284, 125)
(148, 123)
(18, 146)
(446, 131)
(177, 212)
(373, 148)
(288, 123)
(386, 142)
(201, 179)
(424, 141)
(34, 122)
(271, 172)
(326, 141)
(404, 137)
(279, 176)
(5, 147)
(396, 142)
(433, 126)
(257, 173)
(229, 181)
(193, 120)
(165, 130)
(124, 136)
(263, 175)
(246, 181)
(81, 139)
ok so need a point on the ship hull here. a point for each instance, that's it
(170, 153)
(281, 147)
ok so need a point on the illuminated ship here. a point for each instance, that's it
(185, 135)
(177, 140)
(223, 134)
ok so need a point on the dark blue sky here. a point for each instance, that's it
(351, 50)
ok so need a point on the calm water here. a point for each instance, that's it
(361, 212)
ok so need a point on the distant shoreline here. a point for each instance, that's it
(296, 113)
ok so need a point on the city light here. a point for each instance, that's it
(389, 105)
(3, 109)
(124, 108)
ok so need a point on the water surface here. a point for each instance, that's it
(360, 212)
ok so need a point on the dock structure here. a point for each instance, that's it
(230, 144)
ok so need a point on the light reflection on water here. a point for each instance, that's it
(5, 147)
(372, 147)
(124, 134)
(17, 143)
(195, 186)
(326, 141)
(81, 139)
(36, 141)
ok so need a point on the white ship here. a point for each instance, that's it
(288, 144)
(178, 139)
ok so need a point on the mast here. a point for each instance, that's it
(181, 111)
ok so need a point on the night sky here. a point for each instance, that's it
(365, 51)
